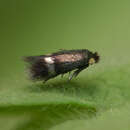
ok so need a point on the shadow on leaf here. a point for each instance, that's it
(84, 89)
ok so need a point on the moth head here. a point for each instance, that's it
(94, 59)
(91, 61)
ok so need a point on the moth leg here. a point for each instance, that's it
(75, 74)
(62, 75)
(45, 80)
(70, 76)
(69, 73)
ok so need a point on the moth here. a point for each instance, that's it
(45, 67)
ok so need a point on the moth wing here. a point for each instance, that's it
(32, 59)
(37, 68)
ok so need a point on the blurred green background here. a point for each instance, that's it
(39, 27)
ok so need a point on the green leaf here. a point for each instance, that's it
(99, 98)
